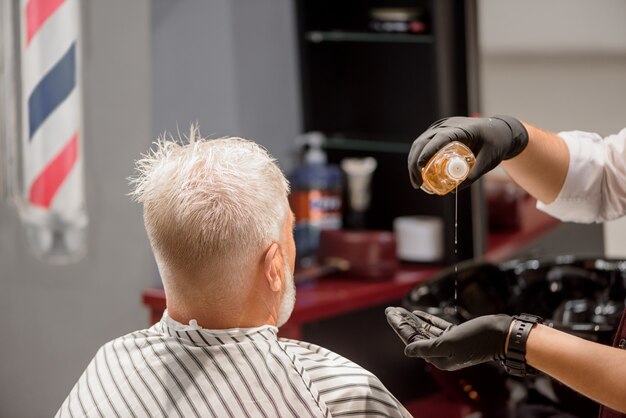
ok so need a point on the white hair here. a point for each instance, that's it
(211, 206)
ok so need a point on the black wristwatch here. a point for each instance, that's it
(514, 361)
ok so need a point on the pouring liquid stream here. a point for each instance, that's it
(456, 209)
(449, 167)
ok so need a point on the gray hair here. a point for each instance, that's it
(210, 206)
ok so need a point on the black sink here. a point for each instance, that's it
(581, 296)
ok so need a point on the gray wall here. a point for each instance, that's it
(53, 319)
(231, 66)
(555, 26)
(559, 64)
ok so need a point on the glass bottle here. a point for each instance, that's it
(447, 168)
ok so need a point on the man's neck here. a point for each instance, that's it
(245, 313)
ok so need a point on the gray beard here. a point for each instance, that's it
(289, 298)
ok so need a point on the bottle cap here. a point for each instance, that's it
(457, 168)
(315, 154)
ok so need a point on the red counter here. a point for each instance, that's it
(335, 295)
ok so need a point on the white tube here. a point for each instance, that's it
(359, 174)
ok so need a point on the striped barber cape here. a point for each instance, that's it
(180, 370)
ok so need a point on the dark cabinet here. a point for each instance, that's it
(376, 73)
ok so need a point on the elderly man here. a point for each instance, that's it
(219, 223)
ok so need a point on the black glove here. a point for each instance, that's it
(409, 327)
(448, 346)
(490, 139)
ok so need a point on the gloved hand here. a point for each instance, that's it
(448, 346)
(490, 139)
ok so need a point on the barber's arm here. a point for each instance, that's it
(594, 370)
(542, 167)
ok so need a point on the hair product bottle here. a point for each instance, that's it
(316, 197)
(447, 168)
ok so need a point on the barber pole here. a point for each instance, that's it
(50, 194)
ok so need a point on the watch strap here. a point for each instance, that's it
(515, 357)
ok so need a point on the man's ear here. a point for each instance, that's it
(273, 267)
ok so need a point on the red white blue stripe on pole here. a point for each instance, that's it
(52, 201)
(36, 14)
(52, 90)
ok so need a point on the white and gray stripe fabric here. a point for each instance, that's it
(175, 370)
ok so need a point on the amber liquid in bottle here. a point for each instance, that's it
(447, 168)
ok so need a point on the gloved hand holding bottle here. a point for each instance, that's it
(492, 140)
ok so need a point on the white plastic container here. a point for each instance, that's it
(419, 238)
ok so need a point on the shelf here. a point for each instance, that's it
(339, 36)
(366, 145)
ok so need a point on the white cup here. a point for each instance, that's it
(419, 238)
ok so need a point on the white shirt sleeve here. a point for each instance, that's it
(595, 186)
